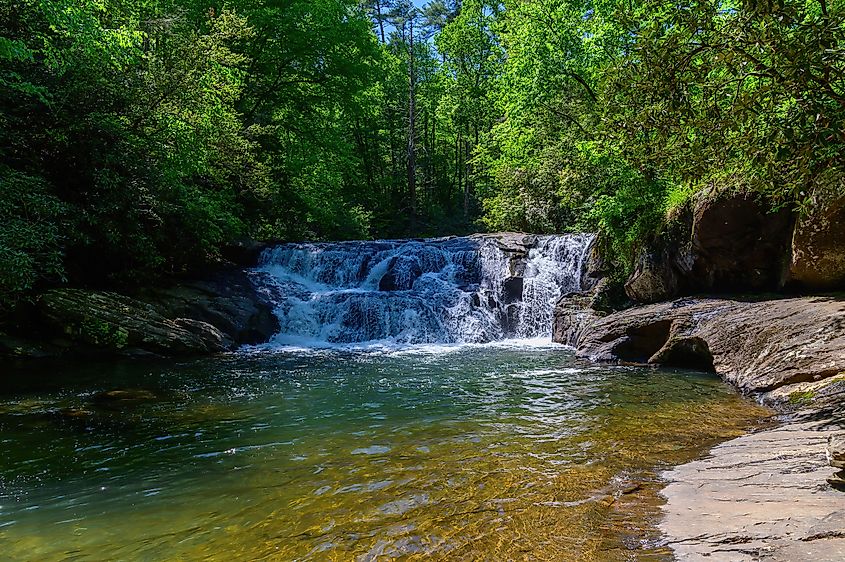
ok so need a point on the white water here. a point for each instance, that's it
(443, 291)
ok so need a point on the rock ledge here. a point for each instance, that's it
(773, 346)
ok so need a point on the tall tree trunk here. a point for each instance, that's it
(363, 148)
(412, 148)
(466, 180)
(380, 20)
(459, 168)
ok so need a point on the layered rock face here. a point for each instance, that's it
(759, 497)
(818, 242)
(766, 346)
(723, 244)
(193, 318)
(737, 243)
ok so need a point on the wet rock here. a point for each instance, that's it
(401, 273)
(573, 318)
(596, 268)
(14, 347)
(512, 288)
(760, 346)
(75, 413)
(516, 246)
(228, 301)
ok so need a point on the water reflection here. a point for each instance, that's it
(484, 453)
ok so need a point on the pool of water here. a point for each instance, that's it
(491, 452)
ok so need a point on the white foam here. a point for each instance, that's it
(444, 293)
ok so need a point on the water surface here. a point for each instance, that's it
(494, 452)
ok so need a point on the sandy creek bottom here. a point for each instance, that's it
(497, 452)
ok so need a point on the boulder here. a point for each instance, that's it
(720, 243)
(515, 245)
(738, 244)
(595, 268)
(655, 278)
(759, 346)
(190, 318)
(82, 322)
(401, 273)
(818, 242)
(228, 301)
(573, 314)
(244, 252)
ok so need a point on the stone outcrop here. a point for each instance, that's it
(726, 243)
(574, 317)
(80, 321)
(191, 318)
(818, 242)
(835, 453)
(738, 244)
(758, 346)
(228, 301)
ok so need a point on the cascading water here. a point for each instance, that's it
(454, 290)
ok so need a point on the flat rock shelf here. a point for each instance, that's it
(762, 496)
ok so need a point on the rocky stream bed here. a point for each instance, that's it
(767, 495)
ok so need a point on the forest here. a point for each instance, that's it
(138, 138)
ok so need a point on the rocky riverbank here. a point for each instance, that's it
(763, 496)
(767, 495)
(194, 317)
(790, 349)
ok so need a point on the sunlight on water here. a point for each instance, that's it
(498, 452)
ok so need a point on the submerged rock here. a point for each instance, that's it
(121, 398)
(759, 346)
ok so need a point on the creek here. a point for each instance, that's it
(410, 408)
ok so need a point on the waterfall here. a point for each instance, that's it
(450, 290)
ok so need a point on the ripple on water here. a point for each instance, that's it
(484, 452)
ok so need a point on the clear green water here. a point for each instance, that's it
(474, 453)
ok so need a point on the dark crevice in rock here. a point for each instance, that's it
(689, 353)
(643, 341)
(802, 377)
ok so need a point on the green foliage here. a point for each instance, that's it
(138, 137)
(30, 244)
(100, 333)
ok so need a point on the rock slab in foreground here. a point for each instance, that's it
(758, 346)
(762, 496)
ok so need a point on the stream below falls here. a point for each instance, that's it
(412, 407)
